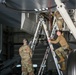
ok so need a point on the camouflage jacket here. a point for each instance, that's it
(25, 52)
(61, 40)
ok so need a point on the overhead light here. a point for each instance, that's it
(43, 8)
(46, 8)
(36, 9)
(39, 9)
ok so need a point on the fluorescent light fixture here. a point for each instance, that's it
(35, 65)
(43, 8)
(36, 9)
(39, 9)
(46, 8)
(19, 65)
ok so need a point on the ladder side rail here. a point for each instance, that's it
(43, 68)
(45, 61)
(42, 62)
(52, 49)
(61, 8)
(54, 20)
(55, 27)
(35, 36)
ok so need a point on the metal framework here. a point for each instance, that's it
(61, 8)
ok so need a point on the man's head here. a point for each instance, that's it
(58, 32)
(24, 41)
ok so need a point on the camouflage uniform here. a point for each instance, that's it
(60, 51)
(64, 45)
(59, 20)
(26, 55)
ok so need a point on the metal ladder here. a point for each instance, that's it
(40, 24)
(44, 61)
(52, 50)
(36, 36)
(55, 27)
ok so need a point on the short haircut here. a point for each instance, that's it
(25, 40)
(59, 31)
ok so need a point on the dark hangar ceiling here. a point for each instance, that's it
(10, 10)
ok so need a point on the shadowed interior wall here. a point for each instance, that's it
(0, 38)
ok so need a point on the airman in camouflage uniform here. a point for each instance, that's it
(64, 46)
(59, 20)
(26, 55)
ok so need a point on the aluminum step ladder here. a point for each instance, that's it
(35, 39)
(55, 27)
(40, 72)
(36, 35)
(52, 50)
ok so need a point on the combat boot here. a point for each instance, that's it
(61, 59)
(63, 66)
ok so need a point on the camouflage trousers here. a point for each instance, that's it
(27, 67)
(60, 51)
